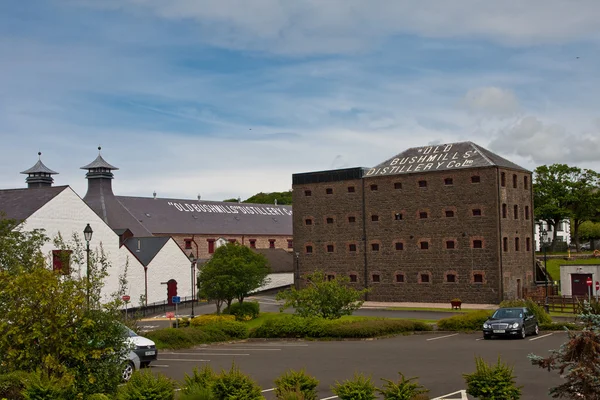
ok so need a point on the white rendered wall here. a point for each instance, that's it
(567, 270)
(170, 263)
(564, 232)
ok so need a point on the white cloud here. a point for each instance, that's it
(491, 101)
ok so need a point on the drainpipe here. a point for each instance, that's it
(146, 285)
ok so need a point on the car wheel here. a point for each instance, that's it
(487, 337)
(523, 333)
(536, 330)
(128, 370)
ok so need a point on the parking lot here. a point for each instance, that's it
(438, 359)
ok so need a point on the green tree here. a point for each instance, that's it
(589, 230)
(232, 272)
(19, 250)
(282, 198)
(322, 297)
(585, 199)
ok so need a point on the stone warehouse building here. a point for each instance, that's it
(196, 225)
(430, 224)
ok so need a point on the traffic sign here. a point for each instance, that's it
(126, 298)
(597, 285)
(589, 281)
(177, 299)
(170, 314)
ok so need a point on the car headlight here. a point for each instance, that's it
(486, 325)
(515, 325)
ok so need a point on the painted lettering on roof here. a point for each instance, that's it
(228, 209)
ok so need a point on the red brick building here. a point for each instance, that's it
(430, 224)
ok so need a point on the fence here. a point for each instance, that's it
(562, 304)
(161, 307)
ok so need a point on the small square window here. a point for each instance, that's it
(330, 277)
(353, 278)
(308, 221)
(309, 249)
(188, 244)
(422, 184)
(329, 220)
(423, 214)
(351, 219)
(271, 243)
(373, 188)
(352, 247)
(351, 189)
(290, 244)
(449, 214)
(376, 278)
(307, 193)
(477, 244)
(330, 248)
(476, 212)
(451, 278)
(397, 185)
(375, 246)
(448, 181)
(329, 191)
(450, 244)
(424, 245)
(252, 243)
(398, 216)
(374, 218)
(399, 278)
(424, 278)
(475, 179)
(478, 278)
(399, 246)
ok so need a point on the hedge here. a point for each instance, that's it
(536, 309)
(559, 326)
(186, 337)
(472, 321)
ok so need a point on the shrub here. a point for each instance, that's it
(559, 326)
(185, 338)
(98, 396)
(405, 389)
(492, 382)
(233, 329)
(464, 322)
(196, 392)
(203, 378)
(245, 311)
(291, 395)
(145, 385)
(12, 384)
(294, 382)
(209, 319)
(358, 388)
(40, 386)
(233, 384)
(536, 309)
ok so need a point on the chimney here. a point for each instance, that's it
(39, 175)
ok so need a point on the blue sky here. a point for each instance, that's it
(227, 98)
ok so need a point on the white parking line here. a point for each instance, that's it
(206, 354)
(218, 349)
(477, 340)
(182, 359)
(267, 390)
(442, 337)
(159, 366)
(329, 398)
(541, 337)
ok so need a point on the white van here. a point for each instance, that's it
(143, 352)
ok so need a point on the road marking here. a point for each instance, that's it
(267, 390)
(541, 337)
(463, 396)
(329, 398)
(207, 354)
(159, 366)
(479, 339)
(442, 337)
(217, 349)
(181, 359)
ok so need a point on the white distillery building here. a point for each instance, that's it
(563, 233)
(157, 268)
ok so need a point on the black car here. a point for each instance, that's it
(512, 322)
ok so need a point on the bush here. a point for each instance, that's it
(98, 396)
(184, 338)
(210, 319)
(233, 329)
(245, 311)
(145, 385)
(196, 392)
(296, 382)
(492, 382)
(233, 384)
(40, 386)
(200, 379)
(405, 389)
(12, 384)
(472, 321)
(536, 309)
(358, 388)
(560, 326)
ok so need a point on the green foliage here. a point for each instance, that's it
(589, 230)
(358, 388)
(492, 382)
(283, 198)
(185, 338)
(324, 298)
(291, 395)
(232, 272)
(296, 382)
(404, 389)
(98, 396)
(19, 250)
(560, 326)
(41, 386)
(12, 384)
(542, 316)
(147, 386)
(200, 382)
(472, 321)
(233, 384)
(230, 327)
(196, 392)
(245, 311)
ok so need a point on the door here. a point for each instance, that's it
(171, 290)
(579, 286)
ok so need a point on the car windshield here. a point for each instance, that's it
(131, 333)
(508, 313)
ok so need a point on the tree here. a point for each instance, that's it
(282, 198)
(577, 361)
(585, 199)
(322, 297)
(589, 230)
(232, 272)
(45, 324)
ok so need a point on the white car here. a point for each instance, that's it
(132, 365)
(143, 352)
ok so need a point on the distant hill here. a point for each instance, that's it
(283, 198)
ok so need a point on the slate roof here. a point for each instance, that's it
(173, 216)
(146, 248)
(20, 204)
(441, 157)
(99, 162)
(38, 168)
(280, 260)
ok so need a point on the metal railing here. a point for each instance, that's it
(161, 307)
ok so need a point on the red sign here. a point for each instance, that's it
(597, 285)
(589, 281)
(170, 315)
(126, 298)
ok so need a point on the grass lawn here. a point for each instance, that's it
(554, 265)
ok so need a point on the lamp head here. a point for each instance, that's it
(87, 233)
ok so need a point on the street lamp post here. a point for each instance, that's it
(544, 243)
(297, 277)
(193, 268)
(87, 234)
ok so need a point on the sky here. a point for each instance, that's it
(228, 98)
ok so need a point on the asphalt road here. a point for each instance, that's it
(438, 359)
